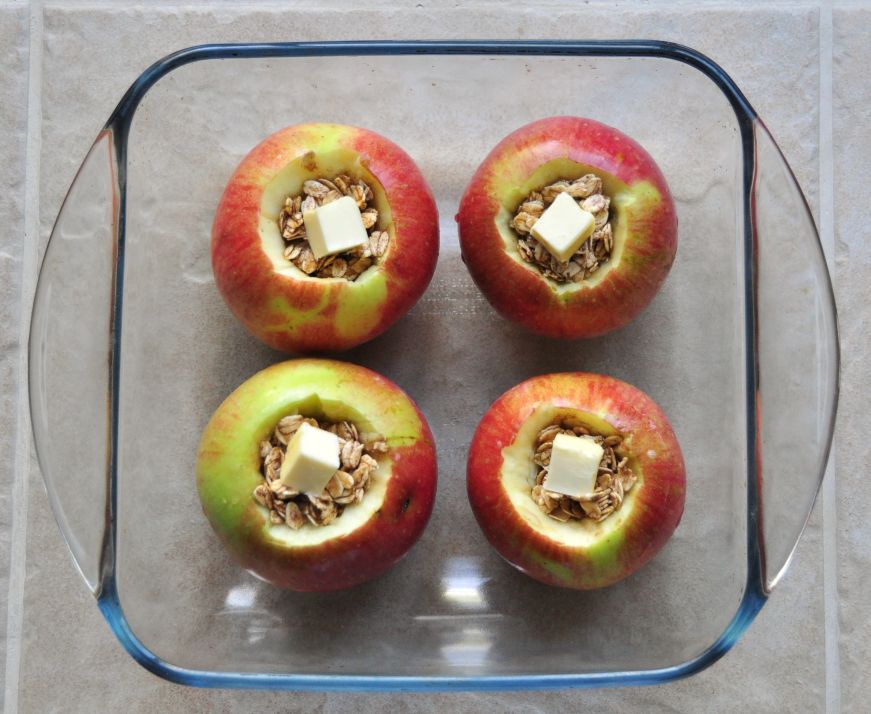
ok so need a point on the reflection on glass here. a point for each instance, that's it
(240, 598)
(462, 583)
(470, 650)
(241, 609)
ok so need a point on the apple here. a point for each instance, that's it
(583, 554)
(278, 303)
(369, 536)
(643, 220)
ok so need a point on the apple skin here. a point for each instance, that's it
(228, 470)
(616, 551)
(304, 315)
(516, 289)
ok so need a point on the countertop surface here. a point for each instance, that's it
(803, 66)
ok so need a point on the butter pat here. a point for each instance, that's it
(335, 227)
(563, 227)
(574, 465)
(311, 460)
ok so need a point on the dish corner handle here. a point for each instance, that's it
(70, 352)
(797, 356)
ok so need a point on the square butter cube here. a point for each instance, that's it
(335, 227)
(563, 227)
(311, 460)
(574, 465)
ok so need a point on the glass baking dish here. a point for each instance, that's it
(132, 348)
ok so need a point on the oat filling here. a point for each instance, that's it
(347, 487)
(348, 265)
(593, 253)
(614, 480)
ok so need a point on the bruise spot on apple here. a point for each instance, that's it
(330, 311)
(309, 162)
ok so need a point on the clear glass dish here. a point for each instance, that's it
(132, 348)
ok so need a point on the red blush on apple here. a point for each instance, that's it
(614, 274)
(593, 541)
(263, 265)
(372, 511)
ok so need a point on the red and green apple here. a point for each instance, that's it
(583, 554)
(643, 221)
(277, 302)
(368, 537)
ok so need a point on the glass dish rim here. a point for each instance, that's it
(756, 589)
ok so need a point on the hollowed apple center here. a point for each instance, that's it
(614, 479)
(311, 180)
(521, 476)
(355, 492)
(596, 191)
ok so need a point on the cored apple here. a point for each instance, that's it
(596, 542)
(294, 310)
(373, 530)
(618, 270)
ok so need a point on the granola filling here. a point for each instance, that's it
(347, 487)
(349, 265)
(593, 253)
(614, 481)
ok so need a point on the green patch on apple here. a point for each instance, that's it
(368, 537)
